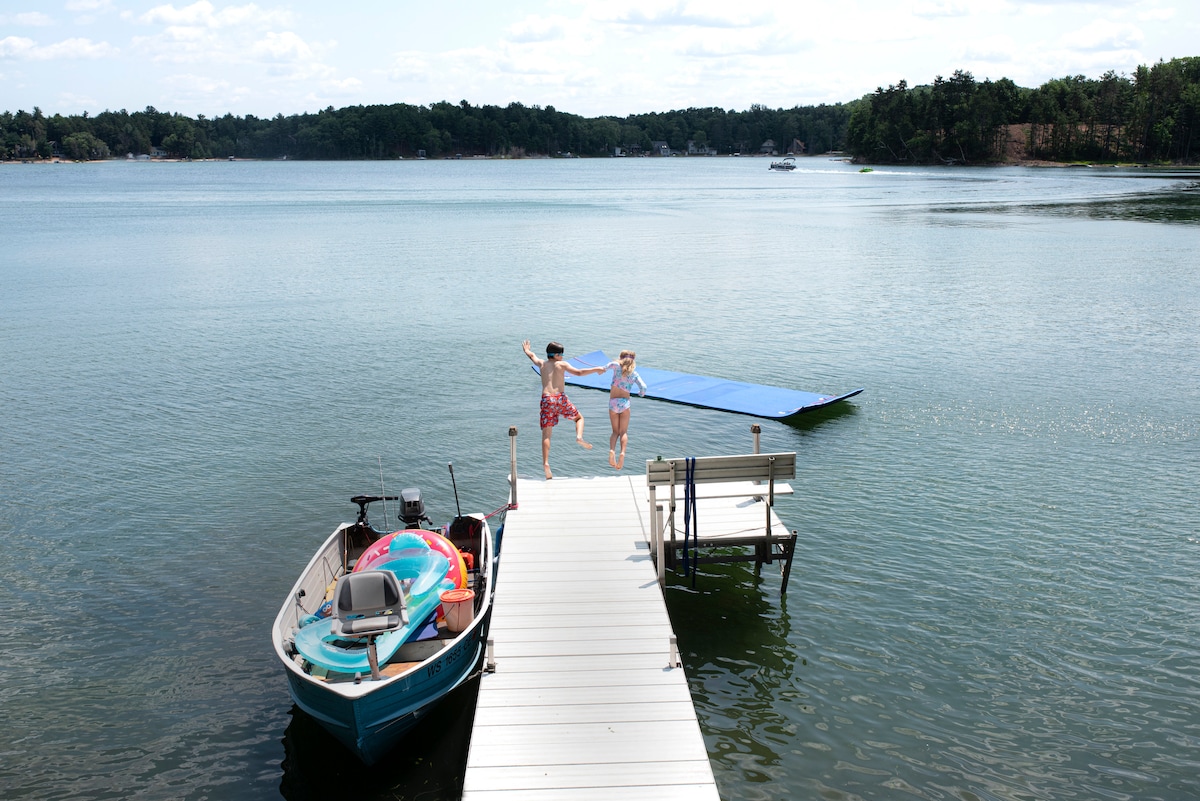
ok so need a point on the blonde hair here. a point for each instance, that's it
(627, 362)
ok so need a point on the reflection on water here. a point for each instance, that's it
(744, 671)
(1156, 207)
(1178, 205)
(810, 421)
(994, 594)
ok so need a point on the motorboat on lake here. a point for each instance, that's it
(380, 626)
(788, 164)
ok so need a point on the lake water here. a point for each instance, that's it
(995, 590)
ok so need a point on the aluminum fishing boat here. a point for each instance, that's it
(382, 625)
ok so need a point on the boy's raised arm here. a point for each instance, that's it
(529, 352)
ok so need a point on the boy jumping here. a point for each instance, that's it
(554, 396)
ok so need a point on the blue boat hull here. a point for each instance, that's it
(372, 724)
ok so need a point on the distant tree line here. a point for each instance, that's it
(1152, 116)
(406, 131)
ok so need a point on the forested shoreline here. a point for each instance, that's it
(1149, 117)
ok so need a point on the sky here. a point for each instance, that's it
(593, 58)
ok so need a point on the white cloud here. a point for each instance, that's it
(749, 42)
(200, 33)
(285, 46)
(18, 47)
(699, 13)
(535, 52)
(200, 90)
(33, 19)
(195, 14)
(539, 29)
(998, 49)
(191, 84)
(533, 75)
(1027, 5)
(344, 88)
(88, 5)
(1036, 11)
(72, 100)
(1155, 14)
(203, 13)
(591, 58)
(76, 48)
(940, 8)
(410, 67)
(1103, 35)
(176, 44)
(222, 49)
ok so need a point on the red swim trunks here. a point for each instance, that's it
(556, 406)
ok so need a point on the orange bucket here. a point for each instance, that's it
(458, 607)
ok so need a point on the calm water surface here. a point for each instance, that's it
(995, 593)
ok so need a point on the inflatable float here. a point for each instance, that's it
(415, 539)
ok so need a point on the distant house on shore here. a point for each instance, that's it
(694, 149)
(768, 148)
(660, 149)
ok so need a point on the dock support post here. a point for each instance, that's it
(770, 495)
(674, 660)
(490, 666)
(755, 430)
(787, 565)
(662, 550)
(512, 466)
(656, 538)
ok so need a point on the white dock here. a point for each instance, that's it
(587, 701)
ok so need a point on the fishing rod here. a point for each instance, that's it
(379, 459)
(455, 485)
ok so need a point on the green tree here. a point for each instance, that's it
(84, 146)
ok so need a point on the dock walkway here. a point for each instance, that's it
(588, 700)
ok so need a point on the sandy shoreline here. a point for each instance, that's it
(1008, 163)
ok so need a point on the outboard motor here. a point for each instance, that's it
(412, 508)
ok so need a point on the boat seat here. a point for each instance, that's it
(367, 604)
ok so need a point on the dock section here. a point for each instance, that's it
(587, 700)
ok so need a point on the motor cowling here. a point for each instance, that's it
(412, 508)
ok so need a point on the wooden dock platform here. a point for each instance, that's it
(588, 700)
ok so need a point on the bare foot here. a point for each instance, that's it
(587, 446)
(612, 460)
(549, 475)
(621, 460)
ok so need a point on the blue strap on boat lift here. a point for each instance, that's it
(688, 488)
(690, 524)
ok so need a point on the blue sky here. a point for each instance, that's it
(594, 58)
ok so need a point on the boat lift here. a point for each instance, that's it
(751, 476)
